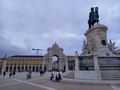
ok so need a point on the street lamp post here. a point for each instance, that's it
(37, 50)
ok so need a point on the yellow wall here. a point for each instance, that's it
(21, 61)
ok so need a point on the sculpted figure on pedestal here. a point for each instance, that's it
(112, 47)
(87, 48)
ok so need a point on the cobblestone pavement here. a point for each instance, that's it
(43, 83)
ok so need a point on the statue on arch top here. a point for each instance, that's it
(93, 17)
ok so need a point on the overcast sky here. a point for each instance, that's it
(27, 24)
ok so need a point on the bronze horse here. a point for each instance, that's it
(93, 17)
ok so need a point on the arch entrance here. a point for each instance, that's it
(55, 63)
(55, 59)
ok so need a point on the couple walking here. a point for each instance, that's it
(57, 77)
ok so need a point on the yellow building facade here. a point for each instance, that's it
(35, 63)
(22, 63)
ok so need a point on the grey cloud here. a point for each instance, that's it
(39, 23)
(6, 48)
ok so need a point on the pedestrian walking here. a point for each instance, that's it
(59, 77)
(0, 72)
(28, 75)
(4, 73)
(41, 72)
(56, 78)
(10, 74)
(13, 74)
(52, 77)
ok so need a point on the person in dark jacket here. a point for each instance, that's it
(59, 77)
(56, 78)
(13, 74)
(52, 77)
(4, 73)
(10, 74)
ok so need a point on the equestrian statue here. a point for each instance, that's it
(93, 17)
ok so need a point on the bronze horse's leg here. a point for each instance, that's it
(89, 23)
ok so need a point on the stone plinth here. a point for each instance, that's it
(96, 66)
(97, 40)
(66, 66)
(76, 63)
(86, 75)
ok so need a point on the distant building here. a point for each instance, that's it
(22, 63)
(35, 63)
(1, 66)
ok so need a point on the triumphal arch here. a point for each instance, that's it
(55, 59)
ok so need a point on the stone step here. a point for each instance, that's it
(111, 78)
(69, 75)
(110, 75)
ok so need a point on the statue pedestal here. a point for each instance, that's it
(97, 40)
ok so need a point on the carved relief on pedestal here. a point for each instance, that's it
(113, 48)
(88, 48)
(101, 34)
